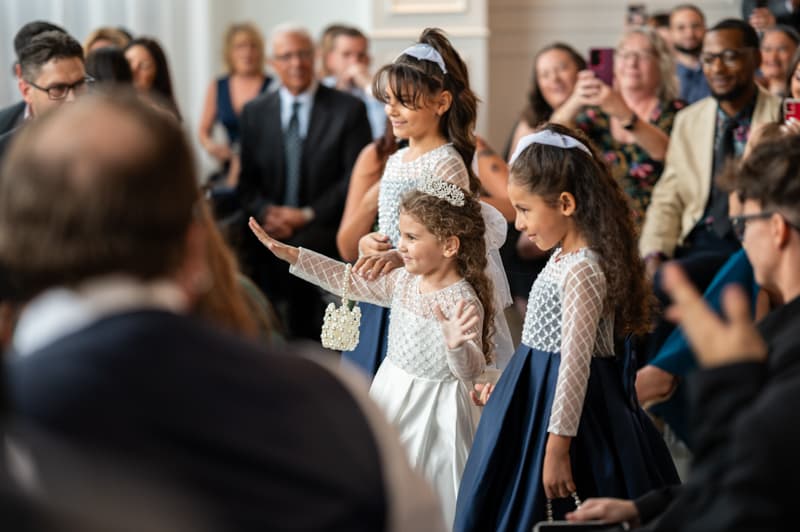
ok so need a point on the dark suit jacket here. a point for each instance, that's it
(338, 130)
(260, 440)
(745, 427)
(5, 142)
(11, 116)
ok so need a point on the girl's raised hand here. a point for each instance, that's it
(280, 250)
(460, 327)
(371, 267)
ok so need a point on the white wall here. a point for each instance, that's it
(496, 37)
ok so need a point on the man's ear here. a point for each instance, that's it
(451, 246)
(25, 90)
(567, 202)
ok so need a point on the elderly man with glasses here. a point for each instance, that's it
(51, 73)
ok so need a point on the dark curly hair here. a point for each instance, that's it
(415, 81)
(602, 216)
(466, 223)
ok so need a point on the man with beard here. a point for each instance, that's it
(687, 26)
(688, 216)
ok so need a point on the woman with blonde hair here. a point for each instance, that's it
(245, 79)
(630, 121)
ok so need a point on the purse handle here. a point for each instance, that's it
(549, 507)
(347, 269)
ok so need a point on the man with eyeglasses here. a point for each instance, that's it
(744, 397)
(687, 217)
(13, 115)
(299, 144)
(51, 73)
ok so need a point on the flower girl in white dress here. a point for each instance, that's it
(439, 341)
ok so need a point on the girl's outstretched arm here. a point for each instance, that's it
(279, 249)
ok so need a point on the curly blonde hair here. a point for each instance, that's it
(466, 223)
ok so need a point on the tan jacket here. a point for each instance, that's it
(680, 196)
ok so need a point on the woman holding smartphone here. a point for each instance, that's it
(630, 121)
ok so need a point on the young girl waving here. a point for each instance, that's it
(429, 103)
(439, 341)
(563, 422)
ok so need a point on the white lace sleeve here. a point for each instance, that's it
(328, 274)
(584, 295)
(451, 169)
(467, 361)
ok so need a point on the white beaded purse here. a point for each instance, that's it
(340, 325)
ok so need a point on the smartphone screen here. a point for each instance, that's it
(601, 62)
(791, 109)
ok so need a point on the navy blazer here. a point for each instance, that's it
(260, 440)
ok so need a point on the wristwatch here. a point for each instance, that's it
(631, 122)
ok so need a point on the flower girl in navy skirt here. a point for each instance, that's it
(563, 422)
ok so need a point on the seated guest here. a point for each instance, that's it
(348, 63)
(688, 216)
(778, 45)
(151, 72)
(631, 122)
(13, 115)
(51, 73)
(792, 89)
(227, 95)
(299, 145)
(772, 12)
(99, 230)
(746, 434)
(687, 25)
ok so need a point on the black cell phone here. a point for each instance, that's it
(761, 3)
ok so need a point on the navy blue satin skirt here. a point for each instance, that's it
(616, 453)
(372, 341)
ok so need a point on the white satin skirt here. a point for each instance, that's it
(436, 421)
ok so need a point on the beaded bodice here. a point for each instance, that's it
(567, 314)
(416, 342)
(399, 177)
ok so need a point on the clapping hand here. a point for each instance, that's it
(460, 327)
(280, 250)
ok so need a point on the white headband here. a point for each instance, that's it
(432, 185)
(425, 52)
(549, 138)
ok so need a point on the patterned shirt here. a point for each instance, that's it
(630, 164)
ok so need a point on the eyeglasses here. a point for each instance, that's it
(639, 55)
(59, 91)
(302, 55)
(729, 57)
(739, 223)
